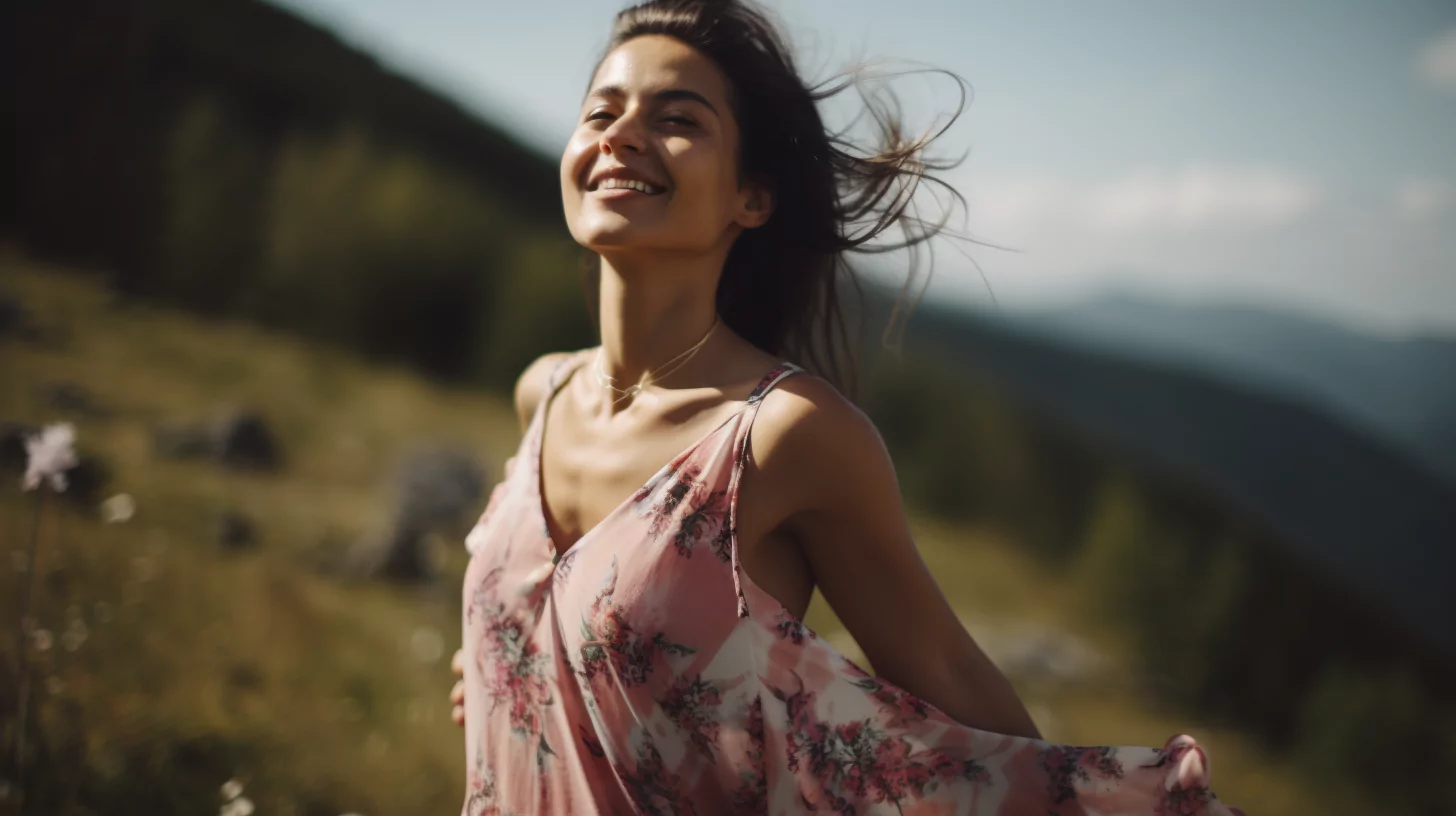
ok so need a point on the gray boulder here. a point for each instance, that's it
(16, 320)
(435, 490)
(72, 398)
(236, 438)
(235, 531)
(244, 440)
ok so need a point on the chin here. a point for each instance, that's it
(609, 231)
(600, 238)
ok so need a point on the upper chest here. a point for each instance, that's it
(588, 468)
(587, 476)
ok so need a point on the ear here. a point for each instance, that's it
(756, 204)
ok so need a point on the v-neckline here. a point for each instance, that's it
(543, 513)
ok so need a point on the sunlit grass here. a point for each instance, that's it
(300, 684)
(201, 665)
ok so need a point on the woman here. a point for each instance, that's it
(632, 629)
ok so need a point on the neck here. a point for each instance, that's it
(652, 311)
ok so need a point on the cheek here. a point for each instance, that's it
(700, 173)
(571, 159)
(574, 161)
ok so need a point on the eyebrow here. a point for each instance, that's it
(669, 95)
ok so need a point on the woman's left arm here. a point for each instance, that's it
(842, 503)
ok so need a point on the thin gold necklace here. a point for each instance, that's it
(651, 376)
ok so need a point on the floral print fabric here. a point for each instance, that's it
(643, 672)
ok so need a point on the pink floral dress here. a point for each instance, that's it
(643, 672)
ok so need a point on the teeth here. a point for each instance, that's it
(627, 184)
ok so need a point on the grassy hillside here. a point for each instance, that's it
(176, 665)
(203, 665)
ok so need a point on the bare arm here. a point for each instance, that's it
(844, 508)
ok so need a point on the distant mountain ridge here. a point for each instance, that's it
(1403, 390)
(1345, 502)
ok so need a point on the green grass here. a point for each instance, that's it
(201, 665)
(299, 684)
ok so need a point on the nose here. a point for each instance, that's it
(623, 134)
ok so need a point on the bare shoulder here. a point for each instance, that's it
(806, 430)
(531, 385)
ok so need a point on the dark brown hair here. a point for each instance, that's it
(781, 285)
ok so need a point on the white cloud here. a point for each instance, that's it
(1436, 63)
(1423, 199)
(1204, 232)
(1192, 198)
(1009, 207)
(1197, 197)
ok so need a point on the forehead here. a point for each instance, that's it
(654, 62)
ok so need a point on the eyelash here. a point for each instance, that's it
(682, 120)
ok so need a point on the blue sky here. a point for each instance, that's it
(1298, 154)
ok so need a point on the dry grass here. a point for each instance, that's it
(200, 665)
(301, 685)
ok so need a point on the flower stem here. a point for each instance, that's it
(23, 651)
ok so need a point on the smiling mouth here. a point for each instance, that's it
(614, 184)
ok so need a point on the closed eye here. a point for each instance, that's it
(684, 121)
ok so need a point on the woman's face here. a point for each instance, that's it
(653, 164)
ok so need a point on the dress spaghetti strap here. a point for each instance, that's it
(741, 452)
